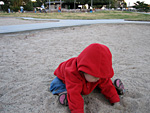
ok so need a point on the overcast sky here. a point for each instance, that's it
(134, 1)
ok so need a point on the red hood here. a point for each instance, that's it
(96, 60)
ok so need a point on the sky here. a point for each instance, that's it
(131, 2)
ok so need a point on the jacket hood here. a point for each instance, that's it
(96, 60)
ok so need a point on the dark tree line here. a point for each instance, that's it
(141, 6)
(28, 5)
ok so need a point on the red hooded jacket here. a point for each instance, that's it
(96, 60)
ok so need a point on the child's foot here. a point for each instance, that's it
(119, 87)
(63, 99)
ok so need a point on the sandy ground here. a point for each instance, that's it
(28, 60)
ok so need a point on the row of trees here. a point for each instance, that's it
(141, 6)
(29, 5)
(15, 5)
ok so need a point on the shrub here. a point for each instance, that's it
(29, 6)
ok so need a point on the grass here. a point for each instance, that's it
(96, 15)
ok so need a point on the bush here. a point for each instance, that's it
(5, 7)
(29, 6)
(141, 6)
(16, 9)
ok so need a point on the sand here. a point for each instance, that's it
(28, 60)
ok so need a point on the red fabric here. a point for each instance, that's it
(59, 8)
(95, 60)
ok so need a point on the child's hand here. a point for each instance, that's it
(117, 105)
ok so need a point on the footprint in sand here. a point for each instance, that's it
(134, 95)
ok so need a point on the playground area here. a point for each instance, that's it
(28, 60)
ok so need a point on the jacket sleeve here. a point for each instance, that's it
(108, 90)
(74, 89)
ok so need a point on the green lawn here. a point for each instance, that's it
(96, 15)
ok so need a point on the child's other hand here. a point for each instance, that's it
(117, 105)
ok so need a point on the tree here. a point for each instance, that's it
(6, 5)
(29, 6)
(141, 6)
(15, 4)
(38, 3)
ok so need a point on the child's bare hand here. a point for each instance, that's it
(117, 106)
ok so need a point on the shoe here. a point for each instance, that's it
(119, 87)
(63, 99)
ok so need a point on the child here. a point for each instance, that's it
(81, 75)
